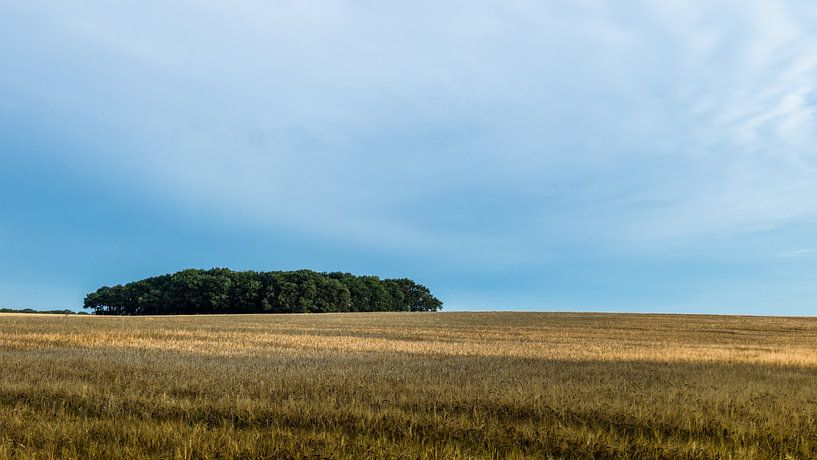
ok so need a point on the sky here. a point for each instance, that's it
(522, 155)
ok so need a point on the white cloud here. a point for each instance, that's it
(661, 122)
(798, 253)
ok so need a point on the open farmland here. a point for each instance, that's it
(441, 385)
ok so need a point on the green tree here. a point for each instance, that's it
(219, 290)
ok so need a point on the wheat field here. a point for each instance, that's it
(408, 385)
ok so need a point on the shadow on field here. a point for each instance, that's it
(476, 404)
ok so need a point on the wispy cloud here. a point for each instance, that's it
(797, 253)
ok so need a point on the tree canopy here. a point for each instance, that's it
(220, 290)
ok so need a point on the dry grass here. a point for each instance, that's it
(408, 385)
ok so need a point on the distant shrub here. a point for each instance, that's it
(31, 310)
(220, 290)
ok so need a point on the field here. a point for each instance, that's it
(429, 385)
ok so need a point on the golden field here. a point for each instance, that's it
(408, 385)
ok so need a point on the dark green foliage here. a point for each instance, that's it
(220, 290)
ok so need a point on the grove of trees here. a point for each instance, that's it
(220, 290)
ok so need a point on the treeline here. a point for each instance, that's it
(220, 290)
(51, 312)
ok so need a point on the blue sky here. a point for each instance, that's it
(577, 155)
